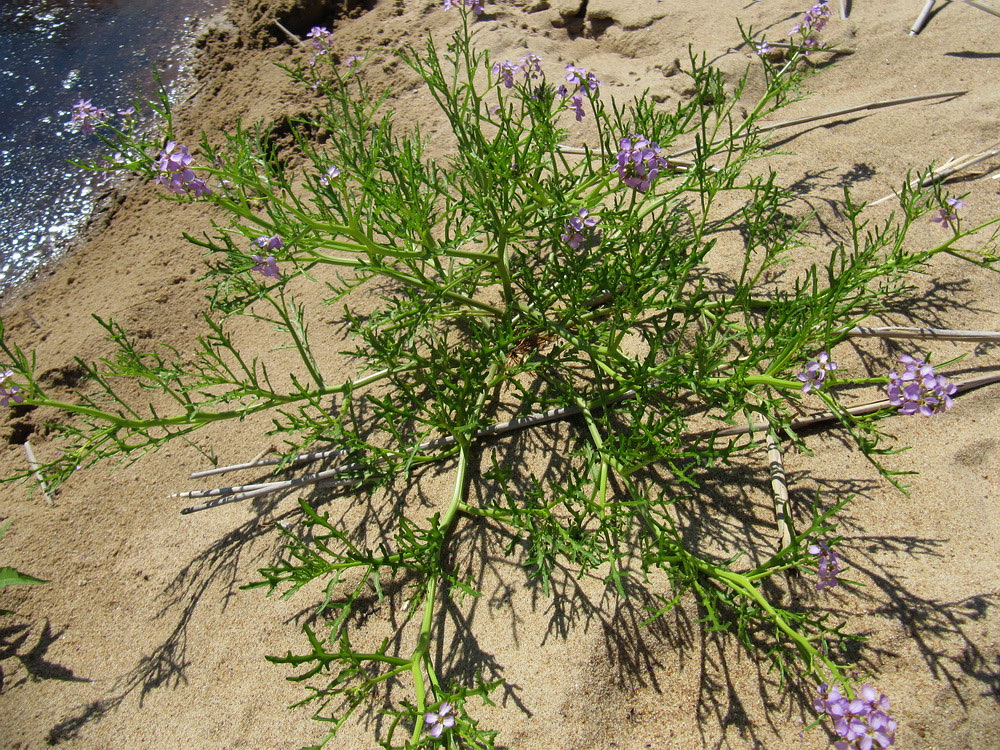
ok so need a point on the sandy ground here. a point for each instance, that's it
(143, 638)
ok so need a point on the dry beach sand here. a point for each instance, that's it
(143, 639)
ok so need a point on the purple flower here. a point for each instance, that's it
(331, 173)
(945, 216)
(85, 115)
(828, 565)
(813, 19)
(267, 266)
(638, 162)
(862, 723)
(576, 104)
(529, 65)
(506, 70)
(174, 164)
(918, 389)
(762, 48)
(583, 79)
(477, 7)
(319, 39)
(576, 226)
(274, 242)
(815, 373)
(11, 393)
(439, 720)
(353, 61)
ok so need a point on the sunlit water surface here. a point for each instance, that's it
(52, 54)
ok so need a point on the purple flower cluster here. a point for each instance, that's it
(11, 393)
(268, 266)
(639, 162)
(815, 373)
(576, 226)
(813, 20)
(85, 115)
(828, 564)
(320, 40)
(946, 216)
(476, 5)
(176, 174)
(529, 65)
(862, 723)
(583, 82)
(439, 720)
(918, 389)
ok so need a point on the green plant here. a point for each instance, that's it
(517, 276)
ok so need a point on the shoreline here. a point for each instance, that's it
(81, 191)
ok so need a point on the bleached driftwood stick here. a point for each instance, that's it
(983, 6)
(292, 37)
(779, 488)
(922, 18)
(225, 495)
(946, 170)
(38, 474)
(905, 332)
(826, 416)
(846, 111)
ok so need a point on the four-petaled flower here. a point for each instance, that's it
(573, 235)
(582, 78)
(267, 266)
(919, 389)
(476, 5)
(85, 115)
(11, 393)
(638, 162)
(945, 216)
(174, 164)
(274, 242)
(529, 65)
(815, 373)
(439, 720)
(331, 173)
(862, 723)
(828, 564)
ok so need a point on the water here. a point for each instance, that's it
(52, 54)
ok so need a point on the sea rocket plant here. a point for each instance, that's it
(471, 262)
